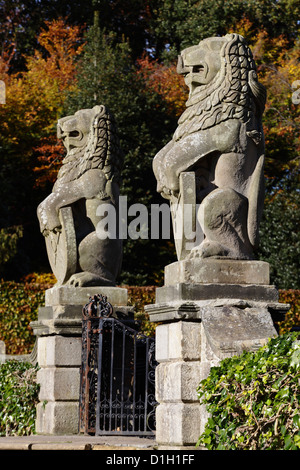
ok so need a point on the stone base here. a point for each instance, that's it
(59, 330)
(189, 301)
(57, 418)
(217, 271)
(221, 315)
(67, 295)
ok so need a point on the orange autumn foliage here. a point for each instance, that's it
(165, 81)
(278, 67)
(35, 97)
(50, 76)
(50, 154)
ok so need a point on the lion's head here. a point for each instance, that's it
(91, 141)
(221, 75)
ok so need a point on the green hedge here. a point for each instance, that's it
(254, 399)
(19, 302)
(18, 398)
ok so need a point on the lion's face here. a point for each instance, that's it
(200, 64)
(74, 130)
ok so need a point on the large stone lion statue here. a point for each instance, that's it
(90, 176)
(219, 141)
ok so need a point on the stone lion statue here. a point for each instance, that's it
(90, 176)
(219, 141)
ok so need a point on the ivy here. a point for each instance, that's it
(18, 398)
(254, 399)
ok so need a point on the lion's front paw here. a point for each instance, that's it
(49, 220)
(87, 279)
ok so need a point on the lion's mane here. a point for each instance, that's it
(235, 92)
(102, 151)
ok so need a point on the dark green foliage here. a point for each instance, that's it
(254, 399)
(279, 233)
(18, 398)
(183, 23)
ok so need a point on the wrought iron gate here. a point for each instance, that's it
(117, 375)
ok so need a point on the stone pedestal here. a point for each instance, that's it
(208, 310)
(58, 330)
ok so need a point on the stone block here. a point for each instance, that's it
(178, 341)
(59, 383)
(230, 330)
(177, 381)
(67, 295)
(2, 347)
(177, 423)
(196, 292)
(217, 271)
(57, 418)
(2, 352)
(59, 351)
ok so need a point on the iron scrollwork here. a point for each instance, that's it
(117, 392)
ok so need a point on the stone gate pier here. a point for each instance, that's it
(59, 345)
(84, 262)
(217, 300)
(208, 310)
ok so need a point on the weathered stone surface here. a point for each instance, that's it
(219, 145)
(203, 324)
(230, 330)
(179, 341)
(2, 352)
(57, 418)
(69, 295)
(195, 292)
(179, 424)
(59, 351)
(177, 381)
(217, 271)
(59, 330)
(88, 178)
(59, 383)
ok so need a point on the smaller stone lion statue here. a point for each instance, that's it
(220, 140)
(90, 175)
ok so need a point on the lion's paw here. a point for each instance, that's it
(86, 279)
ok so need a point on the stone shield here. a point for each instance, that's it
(61, 247)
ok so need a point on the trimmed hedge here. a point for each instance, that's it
(19, 302)
(292, 317)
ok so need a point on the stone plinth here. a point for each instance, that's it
(217, 271)
(202, 323)
(59, 330)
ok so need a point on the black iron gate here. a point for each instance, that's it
(117, 393)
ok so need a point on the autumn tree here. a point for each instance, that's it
(34, 101)
(165, 81)
(22, 21)
(177, 24)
